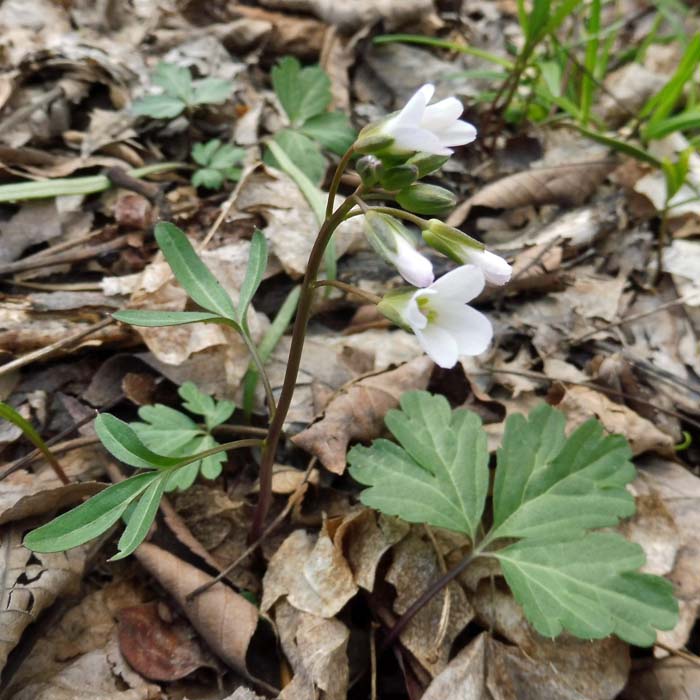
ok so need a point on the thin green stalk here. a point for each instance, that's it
(295, 350)
(335, 183)
(225, 447)
(399, 213)
(349, 289)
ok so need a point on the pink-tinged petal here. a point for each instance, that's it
(412, 113)
(461, 284)
(415, 268)
(496, 270)
(414, 139)
(439, 345)
(412, 314)
(442, 114)
(471, 330)
(458, 134)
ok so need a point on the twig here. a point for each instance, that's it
(445, 614)
(349, 289)
(44, 352)
(692, 658)
(291, 502)
(373, 661)
(26, 110)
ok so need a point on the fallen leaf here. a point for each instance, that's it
(208, 611)
(311, 572)
(464, 677)
(663, 679)
(316, 648)
(580, 403)
(358, 413)
(158, 649)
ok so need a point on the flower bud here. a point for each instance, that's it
(389, 237)
(372, 139)
(398, 177)
(427, 163)
(368, 168)
(394, 304)
(466, 250)
(426, 199)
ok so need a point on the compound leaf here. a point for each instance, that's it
(302, 92)
(211, 91)
(549, 485)
(587, 585)
(158, 107)
(175, 80)
(330, 129)
(302, 151)
(439, 473)
(191, 272)
(90, 519)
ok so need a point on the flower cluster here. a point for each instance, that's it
(400, 150)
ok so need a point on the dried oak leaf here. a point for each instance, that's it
(158, 649)
(358, 413)
(225, 619)
(568, 185)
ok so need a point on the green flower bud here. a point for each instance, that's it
(427, 163)
(368, 168)
(450, 241)
(371, 140)
(426, 199)
(398, 177)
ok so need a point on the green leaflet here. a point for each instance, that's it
(548, 485)
(257, 264)
(587, 585)
(548, 491)
(439, 475)
(90, 519)
(192, 273)
(163, 318)
(303, 92)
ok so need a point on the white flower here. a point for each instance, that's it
(429, 129)
(415, 268)
(496, 270)
(443, 323)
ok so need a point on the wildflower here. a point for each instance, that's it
(440, 318)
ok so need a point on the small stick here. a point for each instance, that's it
(682, 653)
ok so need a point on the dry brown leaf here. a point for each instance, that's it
(311, 572)
(358, 413)
(316, 648)
(464, 677)
(580, 403)
(226, 620)
(663, 679)
(567, 185)
(413, 569)
(31, 582)
(157, 646)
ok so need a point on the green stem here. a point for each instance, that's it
(335, 182)
(399, 213)
(349, 289)
(295, 350)
(226, 447)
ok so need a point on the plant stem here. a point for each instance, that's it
(399, 213)
(295, 350)
(427, 596)
(260, 366)
(349, 289)
(335, 182)
(227, 446)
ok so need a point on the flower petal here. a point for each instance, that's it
(412, 113)
(461, 284)
(439, 345)
(496, 270)
(442, 114)
(415, 139)
(471, 330)
(412, 314)
(457, 134)
(415, 268)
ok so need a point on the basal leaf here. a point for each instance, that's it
(302, 92)
(191, 272)
(586, 585)
(549, 485)
(211, 91)
(195, 400)
(141, 518)
(202, 153)
(257, 264)
(302, 151)
(438, 474)
(89, 519)
(175, 80)
(122, 442)
(158, 107)
(226, 157)
(332, 130)
(163, 318)
(210, 178)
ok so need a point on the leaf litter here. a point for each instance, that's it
(583, 325)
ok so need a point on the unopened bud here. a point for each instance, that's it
(426, 199)
(427, 163)
(398, 177)
(368, 168)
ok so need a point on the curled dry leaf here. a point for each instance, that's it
(580, 403)
(312, 572)
(568, 185)
(358, 413)
(429, 636)
(31, 582)
(226, 620)
(671, 679)
(158, 648)
(316, 648)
